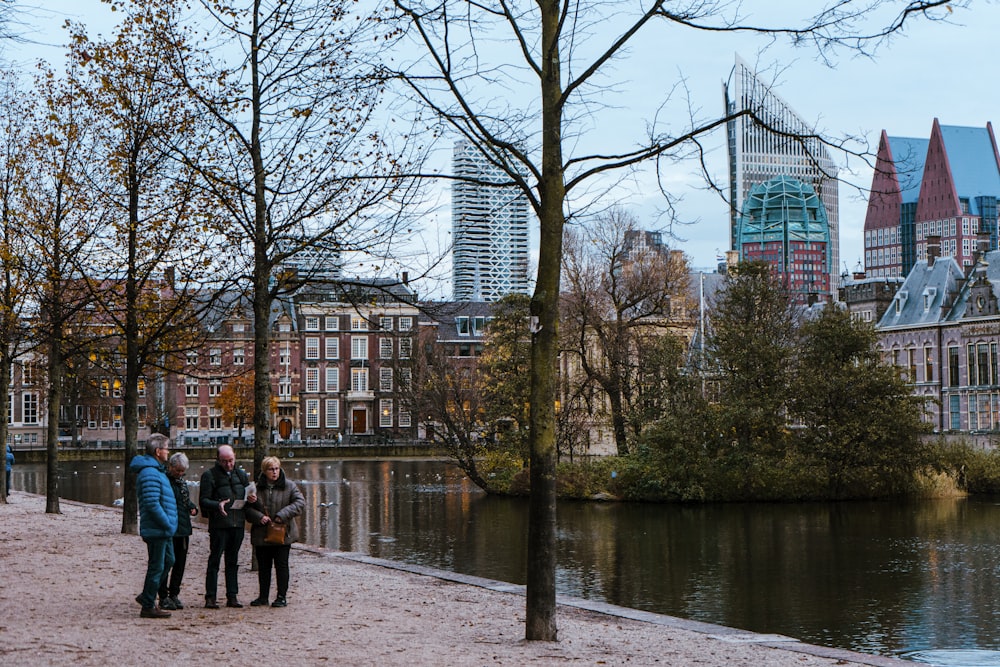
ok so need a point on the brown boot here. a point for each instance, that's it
(153, 612)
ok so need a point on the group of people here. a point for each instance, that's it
(228, 499)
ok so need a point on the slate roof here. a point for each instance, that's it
(926, 295)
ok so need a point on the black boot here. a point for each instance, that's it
(211, 602)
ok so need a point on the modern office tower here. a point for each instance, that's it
(784, 224)
(776, 143)
(942, 190)
(489, 229)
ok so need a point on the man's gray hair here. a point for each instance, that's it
(156, 441)
(179, 460)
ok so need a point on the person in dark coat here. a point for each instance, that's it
(279, 501)
(10, 466)
(224, 489)
(170, 585)
(157, 519)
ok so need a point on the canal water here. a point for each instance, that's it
(918, 580)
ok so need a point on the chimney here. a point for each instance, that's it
(933, 249)
(406, 277)
(982, 246)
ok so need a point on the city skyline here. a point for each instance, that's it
(926, 72)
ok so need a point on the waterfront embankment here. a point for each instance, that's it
(67, 583)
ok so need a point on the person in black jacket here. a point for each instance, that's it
(224, 489)
(279, 501)
(170, 585)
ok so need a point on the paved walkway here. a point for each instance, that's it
(67, 583)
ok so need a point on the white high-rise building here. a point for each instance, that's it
(784, 145)
(489, 230)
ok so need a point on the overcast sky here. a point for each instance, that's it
(933, 70)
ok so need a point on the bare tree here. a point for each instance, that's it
(298, 162)
(557, 58)
(622, 284)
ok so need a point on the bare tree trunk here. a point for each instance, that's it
(540, 620)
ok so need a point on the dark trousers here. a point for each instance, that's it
(223, 541)
(161, 557)
(276, 555)
(170, 584)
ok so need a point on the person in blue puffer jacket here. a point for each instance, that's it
(157, 518)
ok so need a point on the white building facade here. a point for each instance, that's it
(489, 229)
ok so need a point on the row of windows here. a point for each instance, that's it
(881, 236)
(332, 414)
(359, 348)
(359, 380)
(215, 357)
(358, 323)
(981, 364)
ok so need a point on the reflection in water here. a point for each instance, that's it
(913, 579)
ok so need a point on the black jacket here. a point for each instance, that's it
(217, 485)
(184, 506)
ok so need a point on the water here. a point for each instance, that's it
(916, 580)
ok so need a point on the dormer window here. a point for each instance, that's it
(929, 295)
(900, 300)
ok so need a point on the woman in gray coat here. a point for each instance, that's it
(279, 501)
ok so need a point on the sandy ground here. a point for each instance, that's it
(67, 583)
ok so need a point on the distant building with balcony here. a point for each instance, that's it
(784, 224)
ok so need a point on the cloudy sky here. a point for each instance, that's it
(932, 70)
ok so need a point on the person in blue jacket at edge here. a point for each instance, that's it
(157, 519)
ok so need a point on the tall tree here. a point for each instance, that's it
(621, 290)
(161, 241)
(861, 421)
(558, 63)
(299, 164)
(14, 278)
(59, 227)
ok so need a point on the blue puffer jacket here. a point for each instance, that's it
(157, 506)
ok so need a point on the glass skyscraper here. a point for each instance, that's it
(489, 229)
(771, 140)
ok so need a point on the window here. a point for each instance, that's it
(312, 380)
(215, 387)
(238, 356)
(928, 364)
(332, 347)
(238, 327)
(971, 365)
(312, 413)
(385, 413)
(191, 386)
(385, 348)
(331, 323)
(462, 326)
(141, 416)
(214, 419)
(911, 363)
(312, 323)
(404, 419)
(405, 323)
(478, 325)
(215, 356)
(116, 416)
(27, 373)
(359, 379)
(116, 388)
(332, 413)
(285, 387)
(312, 347)
(359, 347)
(191, 418)
(405, 347)
(983, 357)
(91, 417)
(29, 408)
(332, 378)
(358, 323)
(385, 323)
(953, 375)
(284, 356)
(192, 358)
(405, 378)
(105, 387)
(142, 387)
(385, 379)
